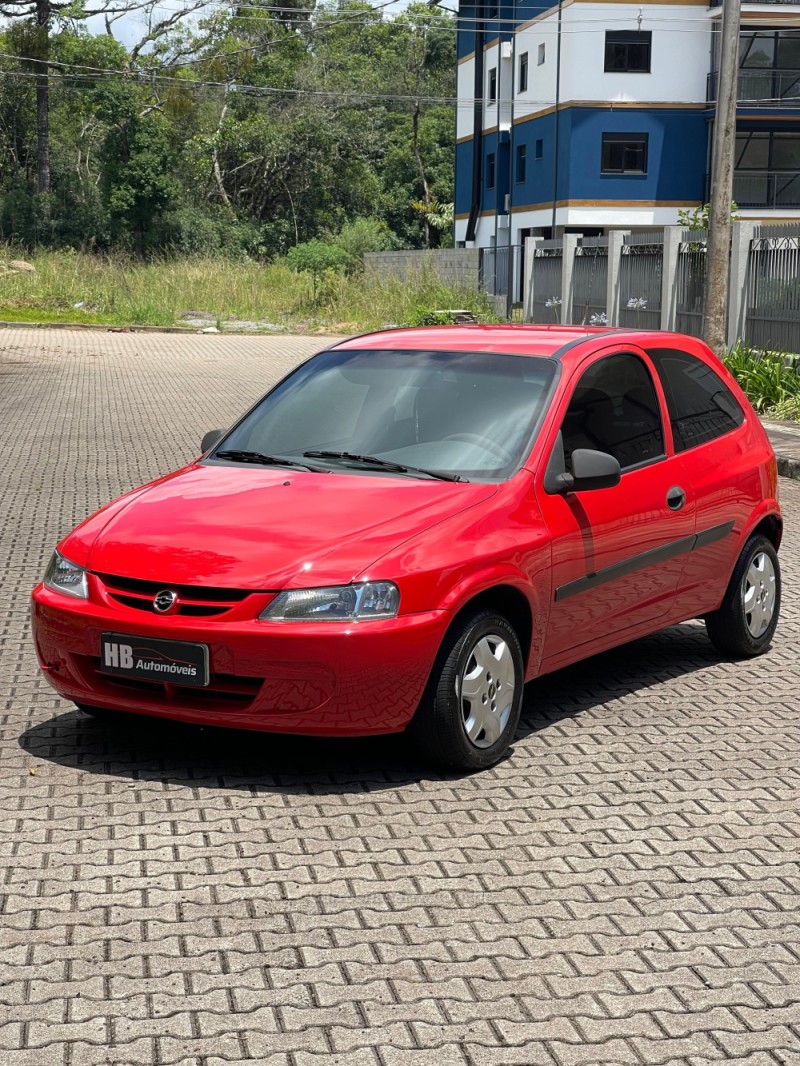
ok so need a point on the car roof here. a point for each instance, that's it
(534, 340)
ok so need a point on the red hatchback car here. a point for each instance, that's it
(411, 525)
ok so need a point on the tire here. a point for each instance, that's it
(745, 623)
(472, 732)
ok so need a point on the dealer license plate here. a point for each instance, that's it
(176, 662)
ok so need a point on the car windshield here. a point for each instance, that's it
(470, 415)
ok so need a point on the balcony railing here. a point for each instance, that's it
(767, 188)
(777, 88)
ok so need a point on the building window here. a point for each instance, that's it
(493, 84)
(523, 73)
(522, 162)
(628, 50)
(764, 49)
(538, 150)
(624, 153)
(540, 55)
(490, 171)
(767, 169)
(775, 151)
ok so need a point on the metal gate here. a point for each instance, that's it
(640, 280)
(690, 282)
(772, 319)
(546, 267)
(589, 281)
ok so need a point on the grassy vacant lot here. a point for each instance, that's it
(68, 286)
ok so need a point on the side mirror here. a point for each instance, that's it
(214, 436)
(590, 470)
(594, 470)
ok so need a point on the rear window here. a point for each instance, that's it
(701, 406)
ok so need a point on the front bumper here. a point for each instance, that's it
(322, 678)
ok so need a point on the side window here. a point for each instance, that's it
(700, 404)
(615, 409)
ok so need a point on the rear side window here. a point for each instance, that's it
(701, 406)
(614, 409)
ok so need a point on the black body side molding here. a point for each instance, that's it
(643, 560)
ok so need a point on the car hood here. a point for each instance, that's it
(248, 527)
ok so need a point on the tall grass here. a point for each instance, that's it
(117, 289)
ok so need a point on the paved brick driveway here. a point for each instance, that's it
(624, 889)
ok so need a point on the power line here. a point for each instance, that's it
(309, 18)
(149, 77)
(66, 82)
(454, 17)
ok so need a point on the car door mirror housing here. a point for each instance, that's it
(214, 436)
(593, 470)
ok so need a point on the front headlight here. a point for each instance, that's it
(63, 576)
(341, 603)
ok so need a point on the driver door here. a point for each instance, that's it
(617, 552)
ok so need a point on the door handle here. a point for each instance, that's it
(676, 498)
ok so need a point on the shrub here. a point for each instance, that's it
(363, 235)
(768, 379)
(428, 316)
(190, 230)
(316, 258)
(788, 410)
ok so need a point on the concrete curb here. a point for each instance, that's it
(190, 331)
(98, 327)
(788, 467)
(785, 440)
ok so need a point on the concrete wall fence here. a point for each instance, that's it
(453, 266)
(656, 279)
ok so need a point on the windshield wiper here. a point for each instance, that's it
(383, 464)
(263, 460)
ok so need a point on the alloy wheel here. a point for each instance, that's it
(486, 689)
(758, 594)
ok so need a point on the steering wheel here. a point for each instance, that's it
(482, 442)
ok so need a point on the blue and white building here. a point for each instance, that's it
(589, 116)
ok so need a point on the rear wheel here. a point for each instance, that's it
(745, 623)
(470, 710)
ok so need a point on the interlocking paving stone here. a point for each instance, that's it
(623, 889)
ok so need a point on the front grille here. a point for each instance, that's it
(225, 691)
(194, 600)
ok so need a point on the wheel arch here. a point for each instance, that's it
(507, 601)
(770, 526)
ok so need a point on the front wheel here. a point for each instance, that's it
(745, 623)
(471, 706)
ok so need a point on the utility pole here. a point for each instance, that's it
(722, 158)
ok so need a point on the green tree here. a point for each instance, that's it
(316, 258)
(250, 130)
(137, 176)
